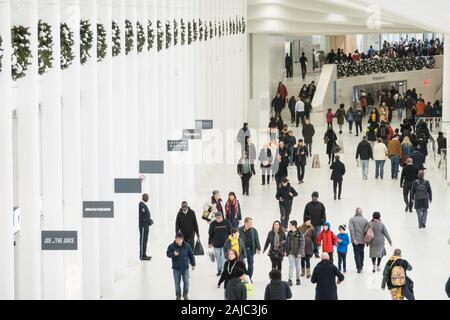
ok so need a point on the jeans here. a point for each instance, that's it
(395, 162)
(292, 116)
(300, 116)
(358, 127)
(245, 182)
(422, 216)
(220, 259)
(177, 276)
(365, 167)
(305, 262)
(407, 195)
(379, 168)
(303, 71)
(342, 261)
(285, 212)
(294, 262)
(300, 171)
(358, 250)
(350, 125)
(336, 184)
(250, 261)
(291, 155)
(317, 230)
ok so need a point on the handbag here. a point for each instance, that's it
(335, 149)
(211, 256)
(198, 249)
(208, 214)
(408, 291)
(150, 222)
(316, 162)
(369, 235)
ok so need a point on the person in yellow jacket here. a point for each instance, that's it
(235, 243)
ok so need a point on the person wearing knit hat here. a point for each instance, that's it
(327, 239)
(342, 248)
(310, 238)
(236, 290)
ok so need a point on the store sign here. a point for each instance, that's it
(98, 209)
(378, 78)
(204, 124)
(177, 145)
(151, 167)
(192, 134)
(59, 240)
(127, 186)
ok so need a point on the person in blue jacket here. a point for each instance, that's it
(342, 248)
(182, 255)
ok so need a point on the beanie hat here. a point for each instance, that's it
(343, 227)
(179, 235)
(306, 218)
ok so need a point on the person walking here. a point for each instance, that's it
(277, 289)
(217, 203)
(236, 243)
(251, 243)
(233, 210)
(303, 63)
(233, 263)
(182, 255)
(281, 164)
(236, 289)
(357, 226)
(330, 139)
(394, 275)
(290, 142)
(380, 152)
(376, 244)
(295, 250)
(410, 173)
(329, 116)
(308, 133)
(282, 90)
(337, 176)
(447, 287)
(245, 170)
(395, 154)
(324, 275)
(288, 65)
(278, 103)
(265, 158)
(407, 150)
(359, 114)
(422, 196)
(219, 230)
(327, 240)
(342, 248)
(350, 117)
(364, 153)
(145, 222)
(285, 196)
(316, 211)
(300, 111)
(186, 223)
(292, 102)
(340, 115)
(276, 239)
(243, 133)
(309, 235)
(301, 154)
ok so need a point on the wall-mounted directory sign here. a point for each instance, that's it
(177, 145)
(204, 124)
(127, 186)
(59, 240)
(98, 209)
(192, 134)
(151, 167)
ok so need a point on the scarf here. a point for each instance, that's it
(276, 242)
(236, 207)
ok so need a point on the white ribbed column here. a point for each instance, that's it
(29, 278)
(53, 277)
(132, 136)
(6, 164)
(71, 151)
(446, 86)
(106, 153)
(90, 165)
(142, 86)
(119, 151)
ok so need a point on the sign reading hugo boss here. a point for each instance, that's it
(192, 134)
(204, 124)
(177, 145)
(59, 240)
(98, 209)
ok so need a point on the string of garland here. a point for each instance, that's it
(183, 32)
(129, 37)
(194, 31)
(216, 32)
(200, 30)
(159, 35)
(21, 56)
(150, 35)
(86, 41)
(211, 30)
(206, 30)
(168, 35)
(45, 47)
(116, 38)
(175, 32)
(220, 29)
(140, 37)
(189, 32)
(102, 45)
(1, 54)
(67, 43)
(244, 25)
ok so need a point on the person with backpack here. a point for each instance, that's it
(277, 289)
(295, 250)
(327, 240)
(394, 275)
(422, 196)
(285, 196)
(375, 233)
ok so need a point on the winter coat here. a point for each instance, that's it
(299, 158)
(350, 116)
(292, 103)
(359, 114)
(340, 115)
(185, 256)
(377, 249)
(308, 133)
(372, 133)
(418, 159)
(278, 104)
(295, 244)
(442, 143)
(324, 275)
(282, 91)
(310, 236)
(265, 156)
(357, 227)
(327, 239)
(251, 167)
(229, 271)
(316, 211)
(394, 148)
(290, 141)
(236, 290)
(271, 240)
(218, 233)
(234, 216)
(256, 246)
(338, 171)
(387, 272)
(409, 174)
(330, 135)
(277, 290)
(242, 134)
(283, 195)
(380, 152)
(144, 215)
(329, 117)
(343, 242)
(186, 223)
(242, 253)
(364, 151)
(421, 204)
(447, 287)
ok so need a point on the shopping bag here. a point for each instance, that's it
(211, 255)
(316, 162)
(358, 163)
(198, 249)
(249, 286)
(341, 147)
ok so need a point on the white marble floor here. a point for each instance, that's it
(427, 250)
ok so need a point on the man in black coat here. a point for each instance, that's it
(364, 152)
(144, 224)
(186, 223)
(337, 175)
(292, 103)
(277, 289)
(324, 275)
(422, 195)
(447, 287)
(308, 133)
(409, 175)
(278, 104)
(419, 159)
(316, 211)
(285, 196)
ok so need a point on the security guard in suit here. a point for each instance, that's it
(144, 223)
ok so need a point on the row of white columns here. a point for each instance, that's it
(94, 124)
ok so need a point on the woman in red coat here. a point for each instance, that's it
(282, 91)
(327, 239)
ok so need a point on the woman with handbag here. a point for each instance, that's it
(277, 240)
(375, 234)
(330, 140)
(216, 203)
(265, 157)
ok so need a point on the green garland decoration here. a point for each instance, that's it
(86, 41)
(21, 56)
(206, 31)
(189, 32)
(168, 35)
(129, 37)
(67, 43)
(102, 46)
(194, 31)
(211, 30)
(220, 29)
(116, 38)
(200, 30)
(216, 31)
(140, 37)
(159, 35)
(175, 32)
(183, 32)
(45, 47)
(244, 25)
(1, 54)
(150, 35)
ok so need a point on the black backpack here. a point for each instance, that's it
(421, 191)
